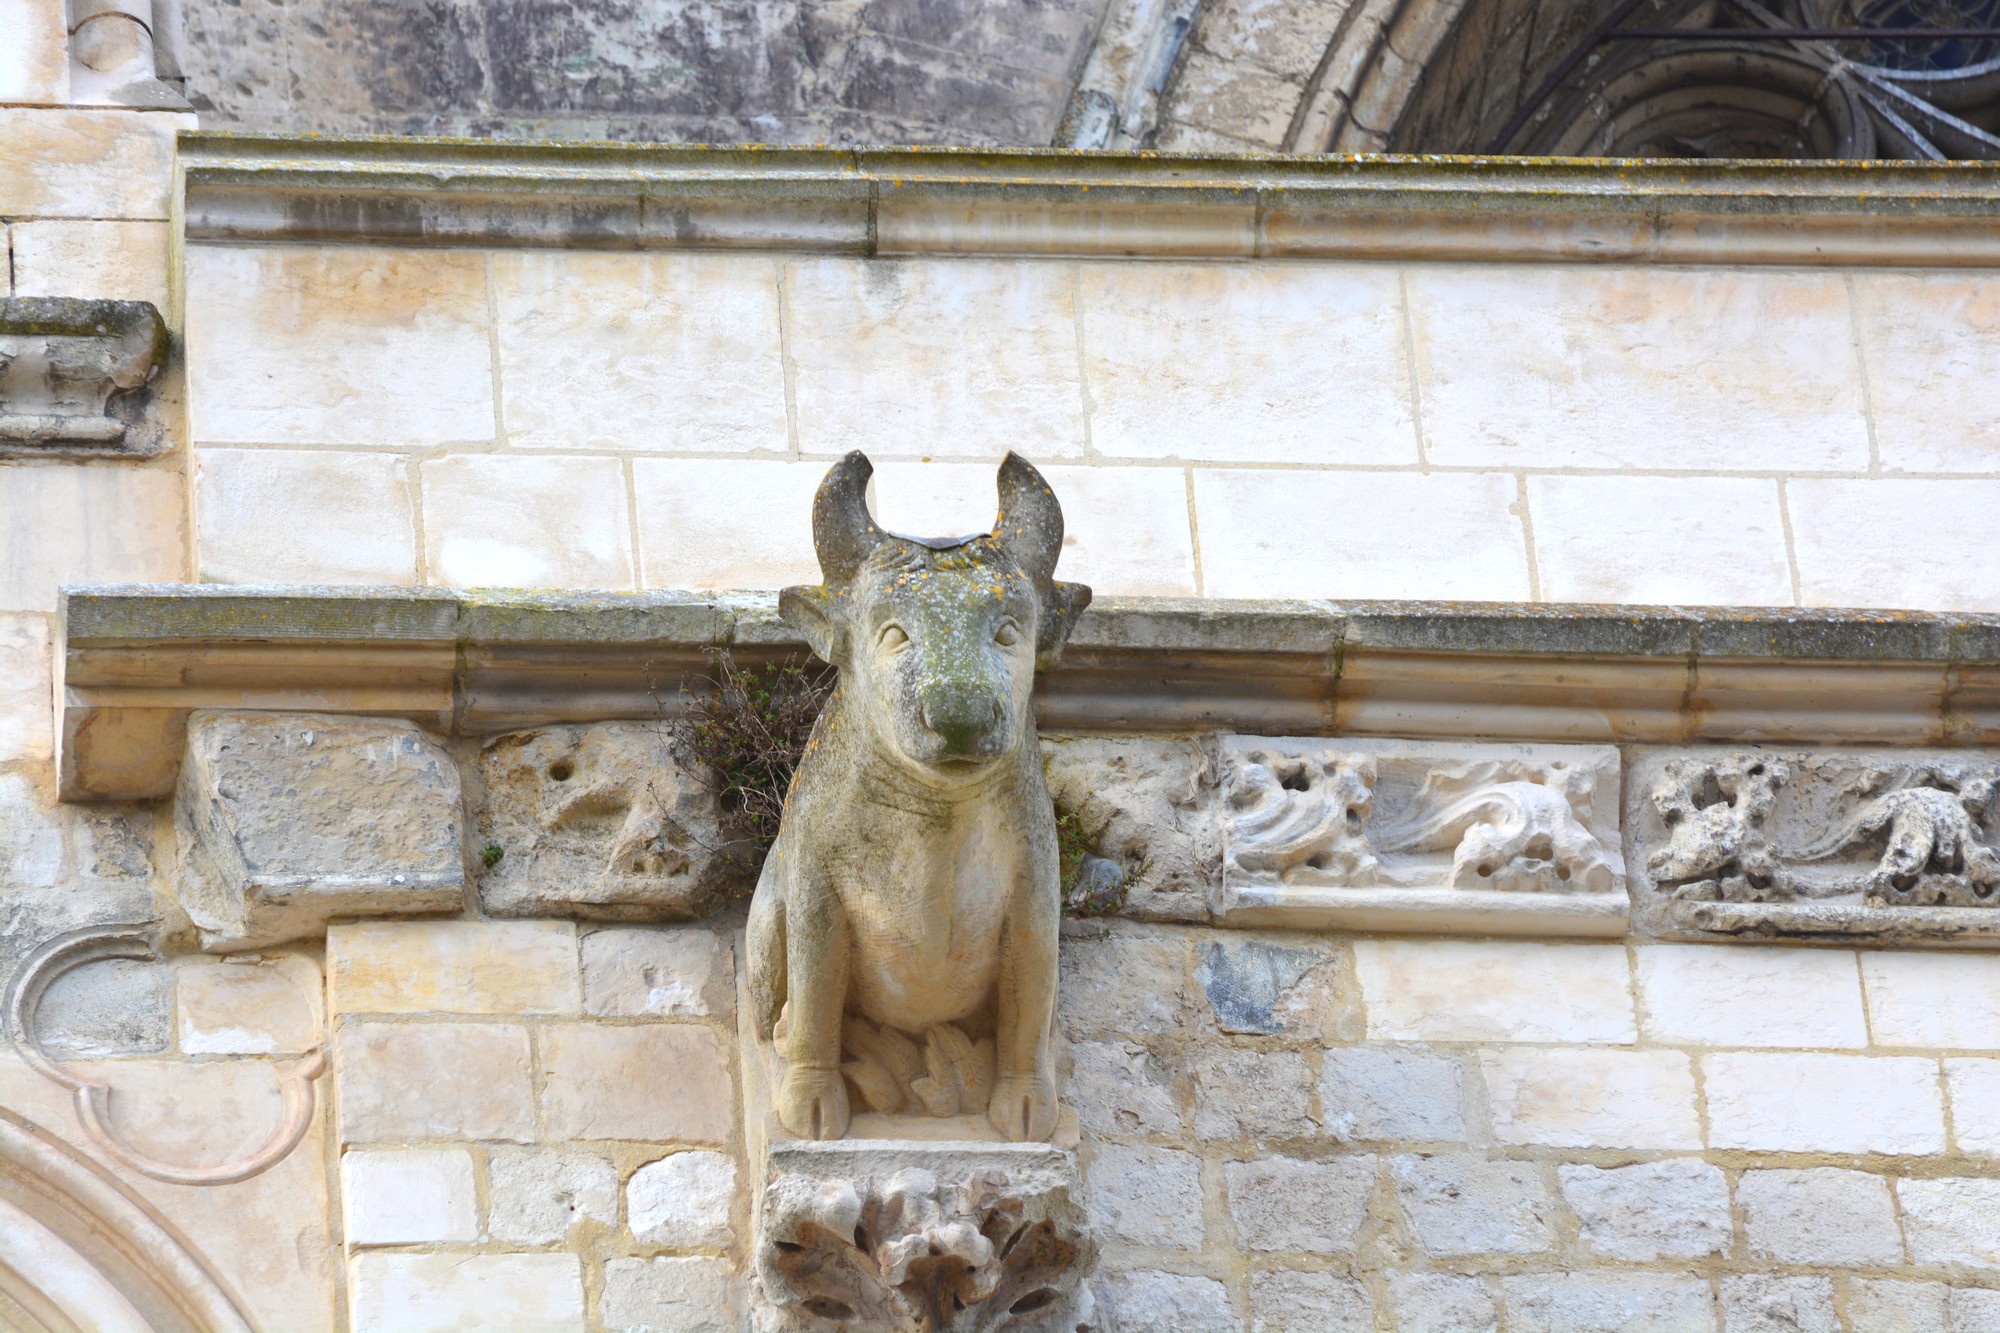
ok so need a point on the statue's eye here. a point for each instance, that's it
(892, 638)
(1008, 634)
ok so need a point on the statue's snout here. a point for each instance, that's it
(970, 721)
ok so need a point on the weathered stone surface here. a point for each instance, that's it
(114, 1006)
(1592, 1098)
(1754, 1303)
(683, 1201)
(1676, 1209)
(1607, 1303)
(1146, 1196)
(1475, 990)
(86, 163)
(1801, 1102)
(1938, 1000)
(403, 1084)
(1955, 1220)
(527, 521)
(1463, 1206)
(237, 1006)
(1443, 1303)
(1252, 1095)
(1974, 1088)
(103, 260)
(287, 820)
(662, 1083)
(538, 1196)
(1820, 1215)
(1375, 1093)
(1257, 986)
(1121, 984)
(1896, 1307)
(907, 1236)
(1309, 1303)
(681, 1295)
(1974, 1308)
(1694, 995)
(1150, 804)
(408, 1196)
(90, 525)
(452, 967)
(1146, 1301)
(24, 689)
(319, 516)
(1681, 540)
(79, 377)
(603, 821)
(429, 1293)
(1281, 1204)
(1121, 1091)
(640, 972)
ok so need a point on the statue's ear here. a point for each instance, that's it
(814, 613)
(1061, 605)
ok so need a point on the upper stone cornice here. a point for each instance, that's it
(913, 201)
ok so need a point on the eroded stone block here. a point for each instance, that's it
(682, 1201)
(685, 1295)
(1150, 804)
(601, 822)
(287, 820)
(1676, 1209)
(1281, 1204)
(1147, 1196)
(1460, 1206)
(1821, 1215)
(535, 1196)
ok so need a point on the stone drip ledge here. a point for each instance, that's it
(135, 659)
(1037, 202)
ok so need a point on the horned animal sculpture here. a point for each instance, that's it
(914, 879)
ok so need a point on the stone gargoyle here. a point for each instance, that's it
(914, 882)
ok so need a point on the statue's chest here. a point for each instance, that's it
(933, 895)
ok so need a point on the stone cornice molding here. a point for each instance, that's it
(135, 660)
(1066, 202)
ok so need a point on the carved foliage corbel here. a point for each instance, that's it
(79, 377)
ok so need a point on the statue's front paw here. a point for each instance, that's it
(812, 1103)
(1023, 1106)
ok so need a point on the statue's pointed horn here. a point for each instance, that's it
(843, 531)
(1030, 526)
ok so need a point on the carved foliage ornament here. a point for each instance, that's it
(77, 377)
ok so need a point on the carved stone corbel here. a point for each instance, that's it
(78, 377)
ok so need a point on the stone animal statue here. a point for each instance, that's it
(914, 879)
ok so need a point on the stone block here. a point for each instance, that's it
(661, 1083)
(1121, 1091)
(681, 1295)
(538, 1196)
(1609, 1303)
(683, 1201)
(287, 820)
(1309, 1303)
(1461, 1206)
(1284, 1205)
(1199, 362)
(34, 63)
(957, 357)
(1281, 36)
(91, 524)
(412, 1082)
(46, 845)
(1146, 1196)
(1468, 990)
(304, 516)
(1885, 1305)
(507, 521)
(635, 351)
(1714, 541)
(603, 821)
(1241, 1094)
(655, 972)
(1973, 1309)
(1263, 534)
(1955, 1220)
(1892, 543)
(1927, 340)
(25, 690)
(1592, 1098)
(1443, 1303)
(91, 163)
(1601, 367)
(1258, 987)
(1376, 1094)
(1146, 1301)
(448, 1293)
(1252, 104)
(110, 1007)
(1122, 984)
(1937, 1000)
(452, 967)
(1125, 530)
(1820, 1215)
(408, 1196)
(1756, 1303)
(107, 261)
(237, 1005)
(339, 345)
(1822, 1103)
(1698, 995)
(1150, 802)
(1974, 1089)
(695, 531)
(1674, 1209)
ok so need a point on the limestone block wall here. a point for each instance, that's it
(1506, 431)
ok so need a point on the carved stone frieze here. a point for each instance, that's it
(78, 377)
(921, 1238)
(1892, 844)
(600, 822)
(1413, 835)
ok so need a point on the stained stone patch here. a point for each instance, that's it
(1150, 804)
(1246, 980)
(115, 1006)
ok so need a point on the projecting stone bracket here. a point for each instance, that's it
(78, 378)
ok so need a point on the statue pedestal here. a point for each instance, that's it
(911, 1223)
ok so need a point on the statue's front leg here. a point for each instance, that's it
(812, 1099)
(1023, 1104)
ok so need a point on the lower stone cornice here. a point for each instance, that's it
(136, 659)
